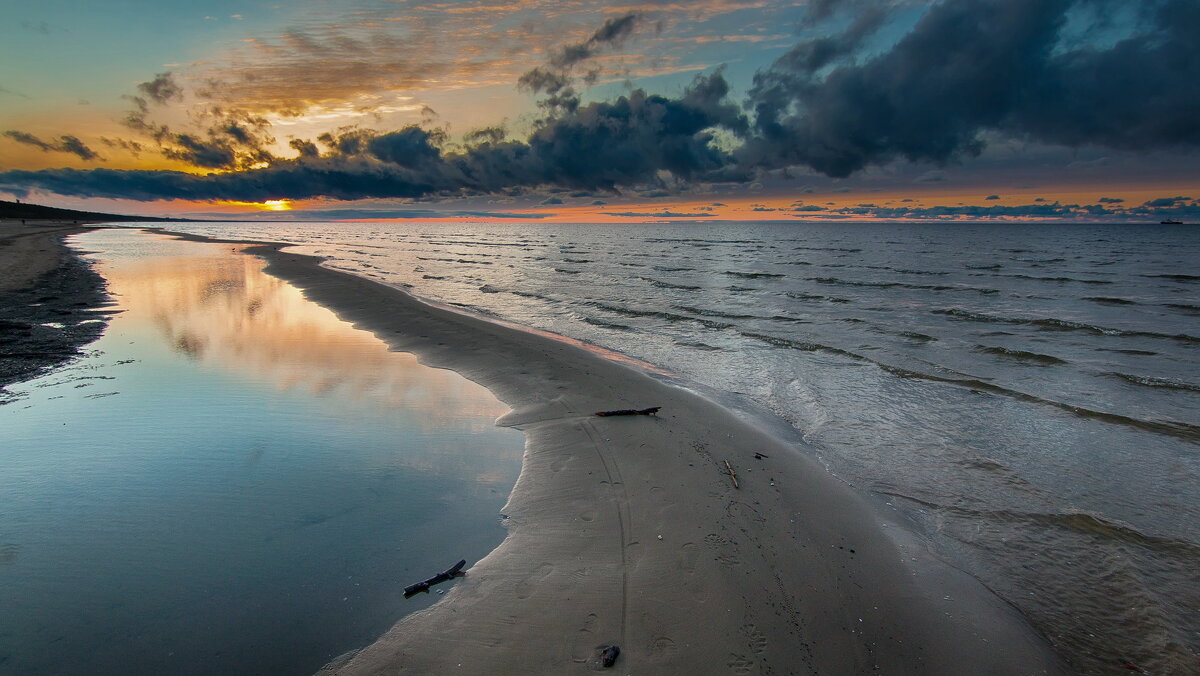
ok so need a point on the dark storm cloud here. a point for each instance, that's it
(972, 66)
(64, 144)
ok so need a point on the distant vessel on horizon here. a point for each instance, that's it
(1170, 222)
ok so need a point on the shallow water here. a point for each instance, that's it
(1029, 395)
(232, 480)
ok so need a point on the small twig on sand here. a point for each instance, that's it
(732, 474)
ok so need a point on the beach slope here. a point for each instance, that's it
(47, 299)
(629, 531)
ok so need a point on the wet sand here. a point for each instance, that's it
(48, 299)
(629, 531)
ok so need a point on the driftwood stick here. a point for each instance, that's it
(632, 411)
(453, 572)
(732, 474)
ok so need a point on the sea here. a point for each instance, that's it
(1026, 396)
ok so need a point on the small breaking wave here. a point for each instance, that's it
(1170, 428)
(1184, 307)
(699, 346)
(1105, 300)
(537, 296)
(1151, 381)
(668, 316)
(668, 285)
(1080, 522)
(607, 325)
(1021, 355)
(714, 313)
(454, 260)
(1054, 324)
(753, 275)
(809, 296)
(1058, 279)
(1176, 278)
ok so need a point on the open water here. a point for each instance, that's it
(1027, 395)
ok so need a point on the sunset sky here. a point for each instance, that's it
(605, 111)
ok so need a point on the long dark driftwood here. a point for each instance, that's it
(455, 571)
(632, 411)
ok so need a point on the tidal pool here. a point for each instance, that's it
(232, 480)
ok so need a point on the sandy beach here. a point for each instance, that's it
(48, 298)
(629, 531)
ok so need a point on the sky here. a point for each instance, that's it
(1075, 110)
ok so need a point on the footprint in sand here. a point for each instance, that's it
(561, 461)
(662, 646)
(757, 641)
(687, 557)
(740, 664)
(525, 587)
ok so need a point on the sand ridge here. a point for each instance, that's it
(628, 531)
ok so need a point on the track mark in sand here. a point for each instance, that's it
(624, 519)
(589, 623)
(740, 664)
(757, 640)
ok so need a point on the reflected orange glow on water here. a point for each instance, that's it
(222, 311)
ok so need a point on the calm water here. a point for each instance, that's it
(1028, 394)
(233, 480)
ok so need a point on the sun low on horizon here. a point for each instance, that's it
(720, 110)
